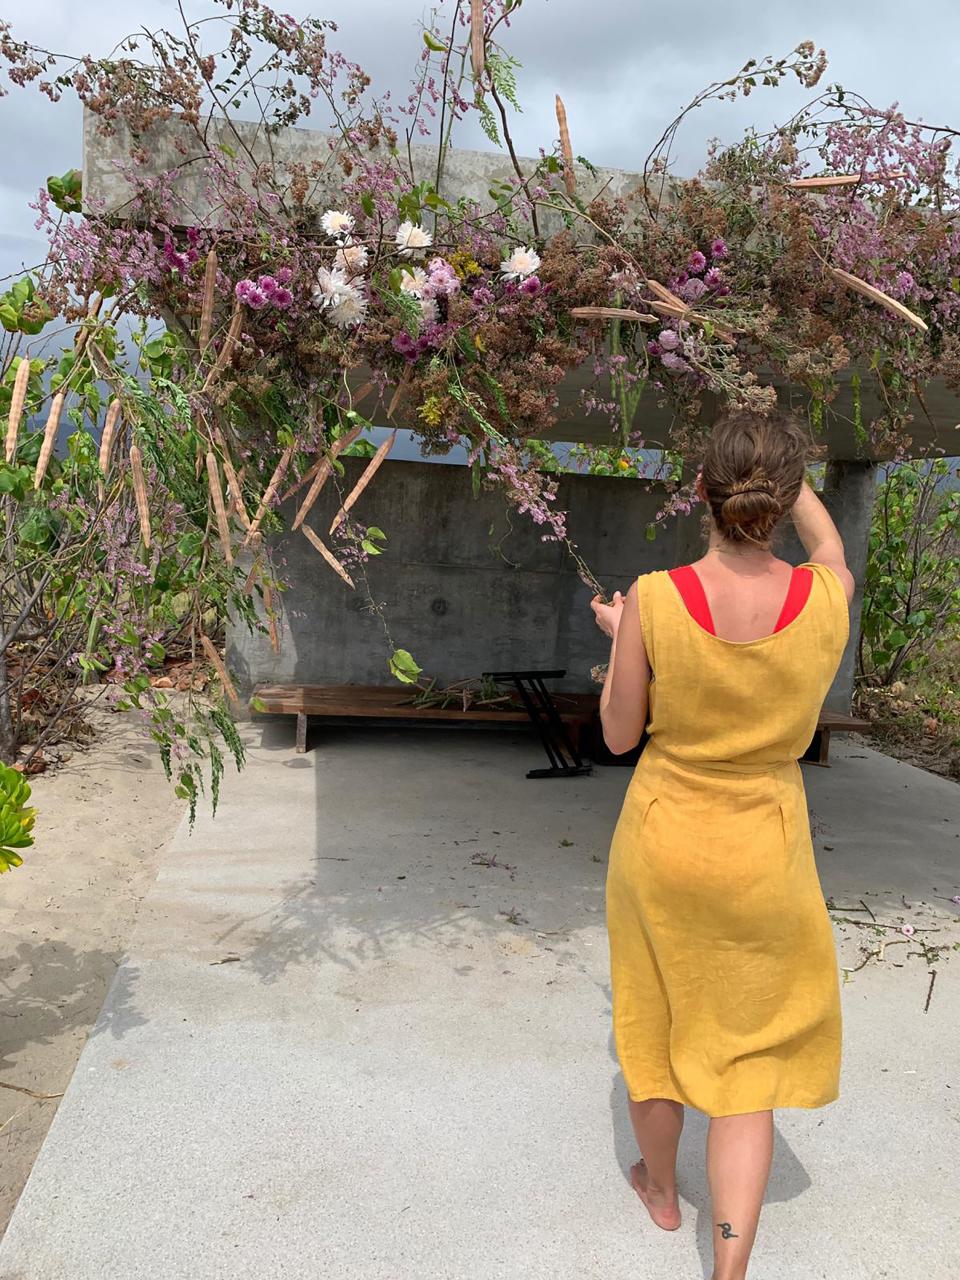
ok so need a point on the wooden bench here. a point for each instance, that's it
(832, 722)
(394, 702)
(577, 711)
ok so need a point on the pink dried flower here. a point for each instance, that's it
(696, 262)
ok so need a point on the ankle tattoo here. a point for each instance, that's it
(727, 1232)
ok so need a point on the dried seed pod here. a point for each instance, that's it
(17, 399)
(476, 38)
(216, 492)
(322, 471)
(611, 313)
(569, 176)
(269, 493)
(842, 180)
(226, 351)
(877, 295)
(49, 438)
(109, 433)
(327, 554)
(271, 616)
(140, 493)
(374, 466)
(206, 307)
(210, 650)
(252, 576)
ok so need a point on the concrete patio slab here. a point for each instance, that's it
(362, 1032)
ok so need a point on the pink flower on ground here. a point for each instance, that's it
(908, 930)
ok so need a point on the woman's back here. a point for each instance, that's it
(752, 700)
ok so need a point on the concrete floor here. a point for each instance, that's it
(407, 1071)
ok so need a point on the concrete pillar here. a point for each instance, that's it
(849, 491)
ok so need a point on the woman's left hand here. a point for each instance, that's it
(608, 615)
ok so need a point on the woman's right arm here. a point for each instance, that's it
(820, 536)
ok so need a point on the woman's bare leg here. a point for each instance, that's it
(657, 1124)
(739, 1152)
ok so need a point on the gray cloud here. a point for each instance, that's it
(623, 69)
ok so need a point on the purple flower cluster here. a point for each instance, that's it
(266, 291)
(442, 280)
(699, 279)
(181, 262)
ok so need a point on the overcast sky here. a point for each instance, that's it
(623, 68)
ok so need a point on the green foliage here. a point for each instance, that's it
(16, 820)
(911, 600)
(21, 310)
(403, 667)
(65, 191)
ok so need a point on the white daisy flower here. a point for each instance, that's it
(349, 309)
(520, 264)
(412, 239)
(350, 258)
(413, 282)
(336, 223)
(329, 286)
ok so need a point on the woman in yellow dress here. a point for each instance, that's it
(723, 968)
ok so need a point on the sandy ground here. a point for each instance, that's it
(66, 916)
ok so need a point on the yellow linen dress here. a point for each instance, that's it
(723, 966)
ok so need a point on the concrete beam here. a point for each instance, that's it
(174, 148)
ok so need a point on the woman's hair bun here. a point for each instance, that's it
(752, 472)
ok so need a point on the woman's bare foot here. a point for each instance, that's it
(663, 1209)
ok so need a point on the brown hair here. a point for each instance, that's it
(753, 470)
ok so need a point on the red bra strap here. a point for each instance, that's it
(801, 581)
(687, 582)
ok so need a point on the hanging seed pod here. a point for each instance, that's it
(17, 399)
(322, 472)
(252, 576)
(236, 492)
(109, 432)
(268, 605)
(226, 351)
(206, 307)
(327, 554)
(269, 493)
(210, 649)
(401, 388)
(49, 438)
(842, 180)
(140, 493)
(877, 295)
(374, 466)
(476, 38)
(569, 176)
(223, 524)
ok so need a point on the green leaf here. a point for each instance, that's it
(651, 532)
(258, 704)
(433, 43)
(367, 204)
(403, 667)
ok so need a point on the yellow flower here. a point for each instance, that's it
(431, 411)
(464, 264)
(478, 342)
(624, 464)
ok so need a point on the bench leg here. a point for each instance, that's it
(301, 732)
(819, 749)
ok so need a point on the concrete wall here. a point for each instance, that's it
(467, 587)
